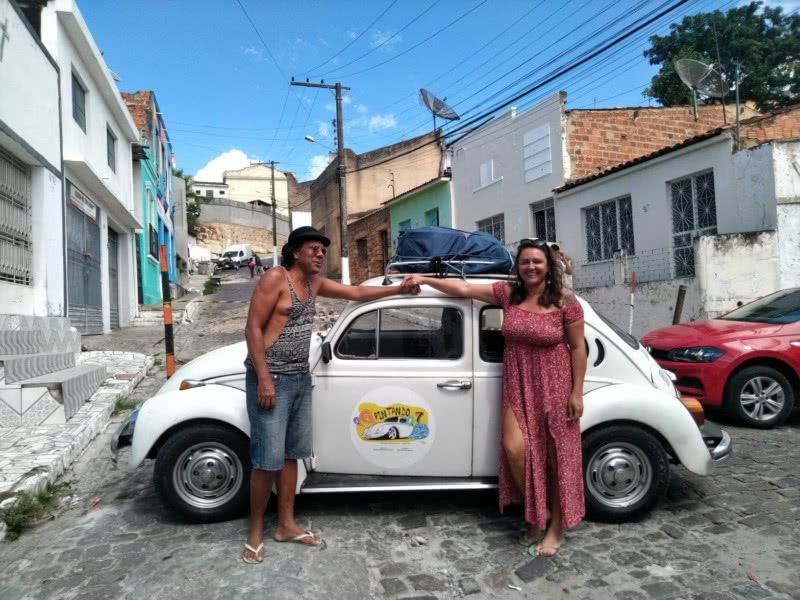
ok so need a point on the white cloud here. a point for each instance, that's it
(351, 33)
(385, 40)
(227, 161)
(381, 122)
(324, 130)
(317, 165)
(256, 53)
(361, 109)
(346, 100)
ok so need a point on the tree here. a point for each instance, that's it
(192, 203)
(762, 40)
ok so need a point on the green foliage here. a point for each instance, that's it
(122, 404)
(28, 509)
(211, 285)
(192, 203)
(763, 40)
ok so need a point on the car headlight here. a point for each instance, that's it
(701, 354)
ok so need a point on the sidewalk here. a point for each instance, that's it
(32, 457)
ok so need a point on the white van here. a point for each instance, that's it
(239, 254)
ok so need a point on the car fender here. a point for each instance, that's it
(656, 410)
(164, 411)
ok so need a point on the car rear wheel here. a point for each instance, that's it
(202, 473)
(626, 472)
(759, 396)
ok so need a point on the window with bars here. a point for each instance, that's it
(363, 255)
(609, 229)
(111, 149)
(495, 225)
(16, 255)
(694, 213)
(544, 220)
(385, 246)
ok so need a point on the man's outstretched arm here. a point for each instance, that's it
(333, 289)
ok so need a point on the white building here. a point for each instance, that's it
(97, 134)
(210, 189)
(721, 221)
(31, 198)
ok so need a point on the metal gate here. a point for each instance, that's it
(85, 305)
(113, 279)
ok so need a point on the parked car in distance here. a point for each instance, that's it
(746, 361)
(407, 397)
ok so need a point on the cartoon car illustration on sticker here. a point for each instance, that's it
(392, 428)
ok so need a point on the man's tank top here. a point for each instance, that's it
(288, 355)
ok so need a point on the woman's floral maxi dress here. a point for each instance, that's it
(537, 382)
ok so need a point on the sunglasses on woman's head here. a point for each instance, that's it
(532, 243)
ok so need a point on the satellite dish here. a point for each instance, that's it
(703, 79)
(437, 106)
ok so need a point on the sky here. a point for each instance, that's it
(220, 69)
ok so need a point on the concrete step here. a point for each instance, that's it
(21, 342)
(71, 387)
(24, 366)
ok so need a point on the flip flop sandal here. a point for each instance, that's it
(523, 542)
(298, 539)
(255, 551)
(534, 551)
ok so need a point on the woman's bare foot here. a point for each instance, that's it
(297, 535)
(532, 536)
(551, 543)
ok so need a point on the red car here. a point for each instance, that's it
(747, 361)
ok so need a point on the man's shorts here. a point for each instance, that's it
(282, 432)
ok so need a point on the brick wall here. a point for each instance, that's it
(299, 193)
(598, 139)
(782, 125)
(139, 104)
(369, 229)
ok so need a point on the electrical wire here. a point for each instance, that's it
(353, 41)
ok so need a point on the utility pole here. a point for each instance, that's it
(272, 164)
(341, 171)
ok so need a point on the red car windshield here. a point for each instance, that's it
(779, 308)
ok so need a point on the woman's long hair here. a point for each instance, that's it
(552, 286)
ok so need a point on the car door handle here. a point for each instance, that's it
(454, 385)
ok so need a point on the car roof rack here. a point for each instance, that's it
(442, 267)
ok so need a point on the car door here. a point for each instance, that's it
(396, 396)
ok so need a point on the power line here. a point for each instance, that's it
(417, 45)
(354, 40)
(386, 41)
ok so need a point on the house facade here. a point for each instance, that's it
(97, 136)
(713, 214)
(429, 204)
(504, 171)
(371, 179)
(153, 195)
(32, 274)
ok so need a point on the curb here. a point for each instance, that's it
(44, 452)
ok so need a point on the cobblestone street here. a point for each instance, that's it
(733, 535)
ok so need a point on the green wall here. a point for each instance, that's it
(414, 207)
(149, 267)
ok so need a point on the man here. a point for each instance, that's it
(566, 265)
(278, 334)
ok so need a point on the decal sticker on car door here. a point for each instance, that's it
(392, 427)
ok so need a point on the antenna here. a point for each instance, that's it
(437, 106)
(703, 79)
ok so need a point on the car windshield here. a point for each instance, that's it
(626, 337)
(779, 308)
(229, 254)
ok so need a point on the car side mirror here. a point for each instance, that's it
(326, 352)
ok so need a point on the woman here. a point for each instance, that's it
(542, 391)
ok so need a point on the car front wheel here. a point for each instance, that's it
(626, 472)
(759, 397)
(202, 473)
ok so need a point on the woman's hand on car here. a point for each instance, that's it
(574, 407)
(410, 284)
(266, 392)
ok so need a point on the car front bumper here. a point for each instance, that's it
(123, 435)
(718, 442)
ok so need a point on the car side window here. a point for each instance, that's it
(360, 339)
(490, 344)
(419, 332)
(426, 332)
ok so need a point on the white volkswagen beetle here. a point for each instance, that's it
(407, 397)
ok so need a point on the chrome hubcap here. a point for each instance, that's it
(208, 475)
(619, 474)
(762, 398)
